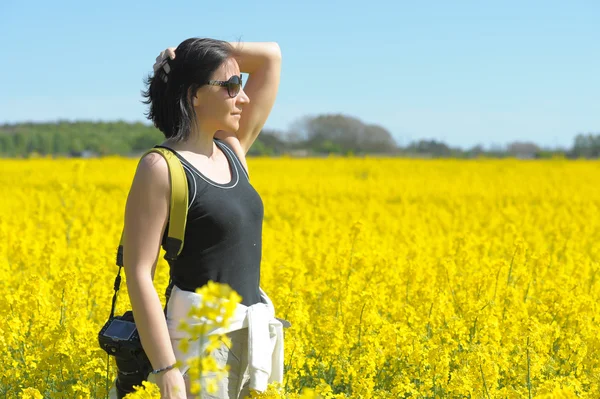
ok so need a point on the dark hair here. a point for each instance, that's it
(171, 109)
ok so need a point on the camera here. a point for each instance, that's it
(119, 338)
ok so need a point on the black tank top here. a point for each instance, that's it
(223, 235)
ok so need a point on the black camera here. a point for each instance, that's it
(119, 338)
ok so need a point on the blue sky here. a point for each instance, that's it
(465, 72)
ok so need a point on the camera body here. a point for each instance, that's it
(119, 338)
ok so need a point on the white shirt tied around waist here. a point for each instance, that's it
(265, 333)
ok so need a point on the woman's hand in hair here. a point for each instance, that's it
(169, 52)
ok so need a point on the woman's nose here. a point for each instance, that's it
(242, 97)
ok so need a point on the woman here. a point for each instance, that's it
(210, 122)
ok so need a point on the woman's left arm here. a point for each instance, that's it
(262, 62)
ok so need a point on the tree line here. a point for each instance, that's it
(309, 136)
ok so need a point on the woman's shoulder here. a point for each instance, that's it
(153, 169)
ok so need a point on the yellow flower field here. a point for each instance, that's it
(401, 278)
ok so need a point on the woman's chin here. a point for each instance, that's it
(233, 127)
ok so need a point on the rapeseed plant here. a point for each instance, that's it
(401, 278)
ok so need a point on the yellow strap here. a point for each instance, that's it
(178, 207)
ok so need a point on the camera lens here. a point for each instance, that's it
(131, 370)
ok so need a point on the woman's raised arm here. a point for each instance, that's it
(262, 62)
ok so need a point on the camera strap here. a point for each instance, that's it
(118, 285)
(173, 244)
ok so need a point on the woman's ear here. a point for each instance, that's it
(196, 98)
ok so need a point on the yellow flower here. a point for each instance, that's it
(30, 393)
(432, 278)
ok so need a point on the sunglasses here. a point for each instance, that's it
(234, 84)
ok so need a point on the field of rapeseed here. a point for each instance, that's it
(401, 278)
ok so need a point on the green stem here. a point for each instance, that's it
(107, 368)
(484, 383)
(528, 370)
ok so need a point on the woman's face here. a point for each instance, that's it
(215, 110)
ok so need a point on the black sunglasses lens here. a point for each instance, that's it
(233, 85)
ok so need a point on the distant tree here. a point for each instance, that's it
(60, 144)
(328, 133)
(476, 150)
(429, 147)
(523, 149)
(376, 139)
(340, 133)
(587, 146)
(297, 132)
(272, 139)
(260, 149)
(6, 144)
(267, 143)
(145, 140)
